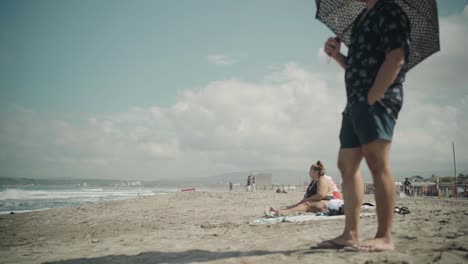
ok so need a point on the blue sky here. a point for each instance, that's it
(75, 72)
(81, 51)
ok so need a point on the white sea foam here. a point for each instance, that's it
(33, 199)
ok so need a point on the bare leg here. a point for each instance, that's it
(377, 154)
(294, 205)
(353, 194)
(297, 207)
(303, 207)
(313, 207)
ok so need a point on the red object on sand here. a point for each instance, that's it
(188, 190)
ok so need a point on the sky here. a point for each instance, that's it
(181, 89)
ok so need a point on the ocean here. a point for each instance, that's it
(28, 198)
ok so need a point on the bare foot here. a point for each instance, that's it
(274, 212)
(376, 245)
(339, 242)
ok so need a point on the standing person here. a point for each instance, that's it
(378, 50)
(230, 185)
(253, 184)
(408, 189)
(249, 182)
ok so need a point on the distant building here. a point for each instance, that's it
(134, 183)
(127, 184)
(262, 179)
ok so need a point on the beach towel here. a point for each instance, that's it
(299, 218)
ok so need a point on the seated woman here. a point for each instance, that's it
(335, 192)
(317, 196)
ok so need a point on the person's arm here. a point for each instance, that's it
(332, 48)
(395, 42)
(341, 60)
(387, 74)
(294, 205)
(322, 189)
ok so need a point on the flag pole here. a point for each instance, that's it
(454, 167)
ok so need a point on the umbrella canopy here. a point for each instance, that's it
(340, 15)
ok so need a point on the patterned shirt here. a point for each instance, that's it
(384, 28)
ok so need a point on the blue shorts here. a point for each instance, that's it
(363, 124)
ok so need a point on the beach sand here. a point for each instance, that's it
(213, 227)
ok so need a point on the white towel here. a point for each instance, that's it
(299, 218)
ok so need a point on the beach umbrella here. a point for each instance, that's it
(340, 15)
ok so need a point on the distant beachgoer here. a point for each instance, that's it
(253, 184)
(315, 199)
(230, 186)
(408, 187)
(249, 183)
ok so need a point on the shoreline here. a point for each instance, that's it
(213, 227)
(26, 199)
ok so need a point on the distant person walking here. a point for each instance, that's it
(230, 186)
(253, 184)
(249, 183)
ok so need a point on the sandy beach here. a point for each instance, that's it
(213, 227)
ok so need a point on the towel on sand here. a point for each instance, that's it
(299, 218)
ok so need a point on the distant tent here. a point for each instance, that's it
(424, 183)
(416, 178)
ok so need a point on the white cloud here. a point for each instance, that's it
(287, 120)
(283, 121)
(322, 57)
(225, 59)
(435, 108)
(444, 73)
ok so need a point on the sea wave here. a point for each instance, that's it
(18, 200)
